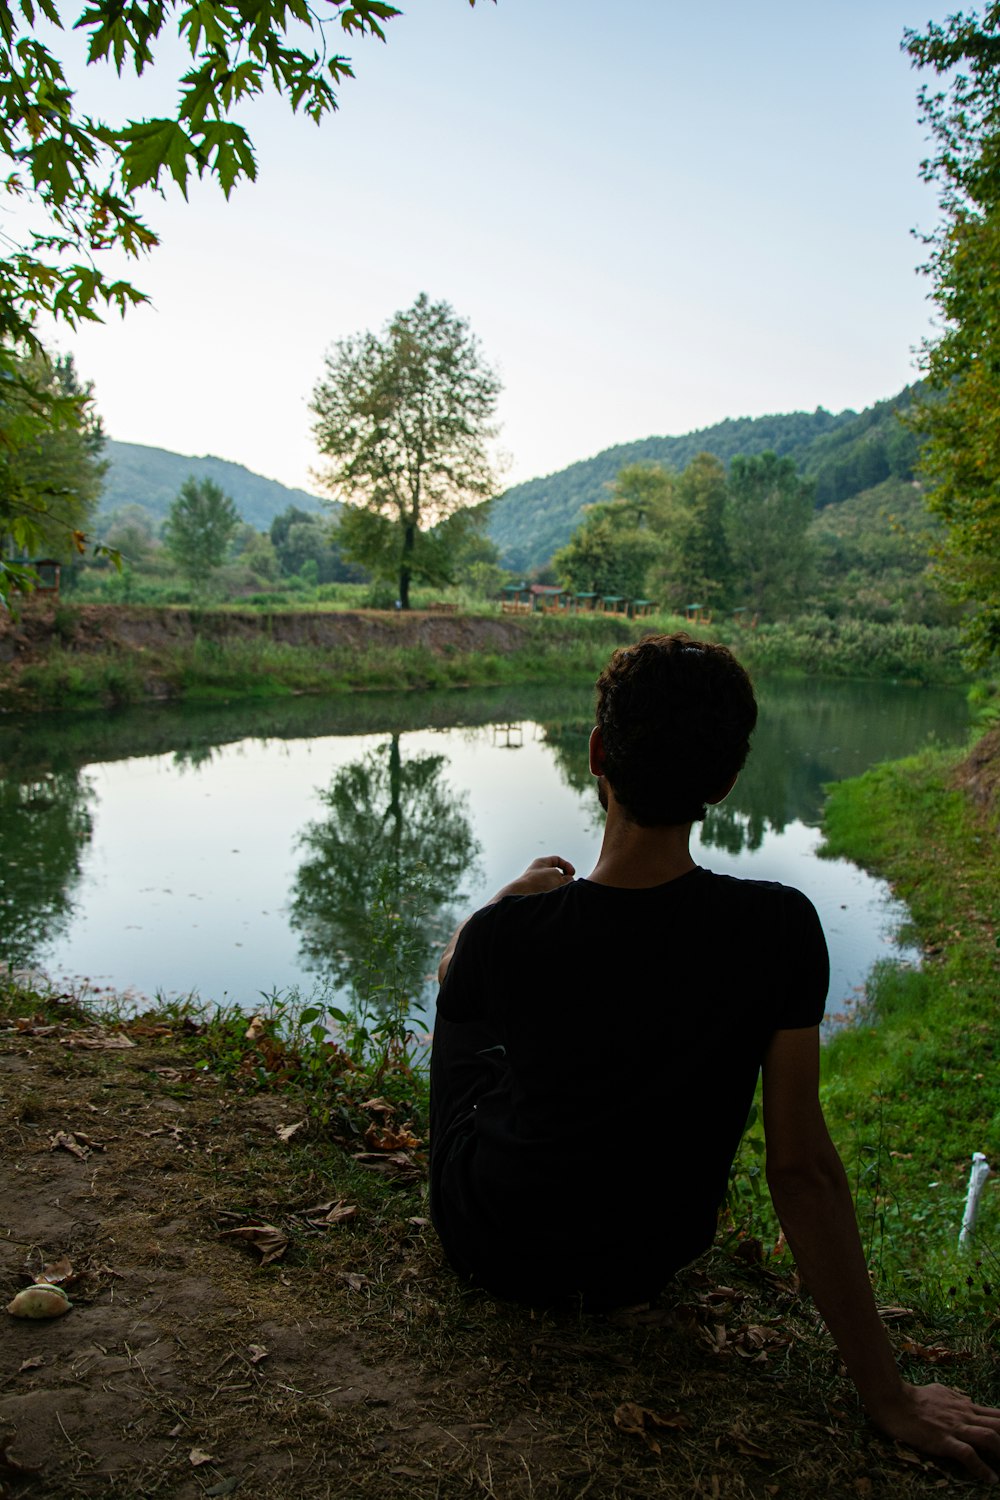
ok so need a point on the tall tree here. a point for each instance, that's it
(202, 522)
(404, 418)
(51, 468)
(962, 456)
(767, 521)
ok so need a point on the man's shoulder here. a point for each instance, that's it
(702, 892)
(741, 888)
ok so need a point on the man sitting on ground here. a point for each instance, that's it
(598, 1043)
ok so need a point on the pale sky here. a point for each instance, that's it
(653, 215)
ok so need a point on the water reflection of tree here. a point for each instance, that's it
(726, 827)
(569, 741)
(396, 841)
(45, 822)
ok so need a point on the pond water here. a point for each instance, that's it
(240, 850)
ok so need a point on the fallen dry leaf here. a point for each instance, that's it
(31, 1364)
(391, 1164)
(88, 1141)
(56, 1270)
(932, 1354)
(65, 1140)
(255, 1030)
(390, 1137)
(355, 1280)
(271, 1242)
(176, 1431)
(748, 1448)
(285, 1132)
(152, 1028)
(99, 1040)
(753, 1341)
(640, 1421)
(337, 1213)
(257, 1352)
(198, 1456)
(904, 1456)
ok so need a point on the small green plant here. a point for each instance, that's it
(746, 1210)
(379, 1032)
(335, 1056)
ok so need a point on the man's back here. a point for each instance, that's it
(632, 1025)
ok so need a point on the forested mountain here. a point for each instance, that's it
(843, 453)
(151, 477)
(862, 452)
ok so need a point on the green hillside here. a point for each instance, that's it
(151, 477)
(843, 453)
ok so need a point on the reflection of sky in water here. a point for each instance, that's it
(188, 876)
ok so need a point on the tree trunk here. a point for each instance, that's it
(405, 568)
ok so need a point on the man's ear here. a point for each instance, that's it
(597, 756)
(721, 797)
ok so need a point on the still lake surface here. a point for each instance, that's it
(235, 850)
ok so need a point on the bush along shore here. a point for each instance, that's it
(60, 655)
(237, 1208)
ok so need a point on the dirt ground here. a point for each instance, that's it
(354, 1364)
(978, 775)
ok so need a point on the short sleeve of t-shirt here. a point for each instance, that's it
(804, 965)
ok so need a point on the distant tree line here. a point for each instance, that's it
(704, 537)
(749, 538)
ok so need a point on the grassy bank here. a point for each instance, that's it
(912, 1093)
(100, 657)
(910, 1088)
(79, 657)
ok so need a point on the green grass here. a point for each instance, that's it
(820, 647)
(911, 1090)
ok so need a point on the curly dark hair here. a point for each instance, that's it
(675, 716)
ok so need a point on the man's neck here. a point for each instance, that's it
(636, 858)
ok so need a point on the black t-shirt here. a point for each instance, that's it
(633, 1024)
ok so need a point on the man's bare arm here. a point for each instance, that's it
(543, 874)
(813, 1201)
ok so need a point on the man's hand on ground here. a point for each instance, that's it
(946, 1424)
(543, 874)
